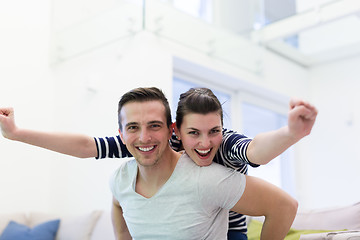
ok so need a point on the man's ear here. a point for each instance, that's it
(177, 131)
(121, 137)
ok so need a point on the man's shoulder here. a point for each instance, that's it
(217, 170)
(188, 162)
(122, 177)
(124, 172)
(128, 162)
(127, 165)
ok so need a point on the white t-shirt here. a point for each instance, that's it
(193, 204)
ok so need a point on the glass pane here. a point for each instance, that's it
(270, 11)
(198, 8)
(213, 38)
(280, 170)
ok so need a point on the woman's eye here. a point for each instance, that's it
(193, 133)
(214, 131)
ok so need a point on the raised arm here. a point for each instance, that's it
(266, 146)
(261, 198)
(71, 144)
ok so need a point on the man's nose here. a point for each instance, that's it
(145, 135)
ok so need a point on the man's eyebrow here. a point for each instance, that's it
(131, 123)
(156, 121)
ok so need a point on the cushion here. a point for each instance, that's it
(16, 217)
(348, 235)
(72, 227)
(43, 231)
(103, 228)
(341, 235)
(333, 218)
(314, 236)
(295, 234)
(254, 230)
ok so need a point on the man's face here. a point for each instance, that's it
(145, 132)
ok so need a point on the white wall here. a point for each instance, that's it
(333, 159)
(25, 83)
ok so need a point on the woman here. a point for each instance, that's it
(235, 149)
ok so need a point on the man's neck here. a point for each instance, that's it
(151, 178)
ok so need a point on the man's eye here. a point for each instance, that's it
(131, 128)
(155, 126)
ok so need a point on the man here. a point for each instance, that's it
(158, 195)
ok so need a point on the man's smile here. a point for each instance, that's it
(146, 148)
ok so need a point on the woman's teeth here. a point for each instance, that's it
(203, 152)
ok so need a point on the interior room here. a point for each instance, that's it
(64, 65)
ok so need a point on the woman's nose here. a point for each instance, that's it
(205, 142)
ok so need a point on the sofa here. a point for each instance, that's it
(95, 225)
(337, 223)
(340, 223)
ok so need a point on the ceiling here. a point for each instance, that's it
(322, 34)
(307, 32)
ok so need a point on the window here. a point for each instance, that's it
(269, 11)
(280, 171)
(201, 9)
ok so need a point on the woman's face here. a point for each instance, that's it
(201, 136)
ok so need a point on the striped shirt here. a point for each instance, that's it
(232, 154)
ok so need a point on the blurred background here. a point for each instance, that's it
(65, 63)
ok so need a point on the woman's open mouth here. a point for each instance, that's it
(203, 153)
